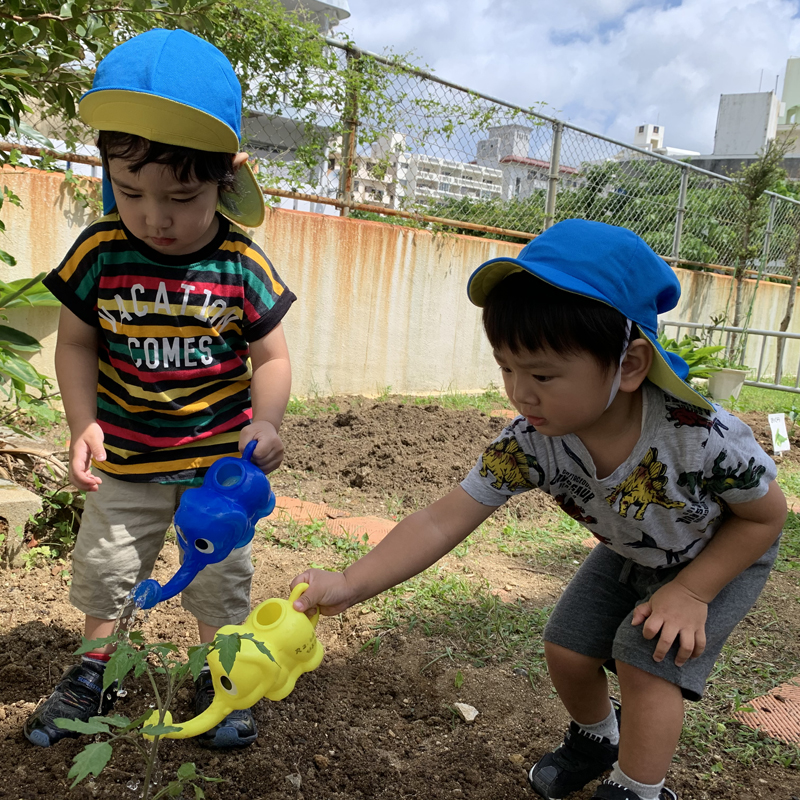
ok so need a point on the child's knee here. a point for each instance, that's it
(568, 662)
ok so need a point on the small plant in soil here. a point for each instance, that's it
(166, 674)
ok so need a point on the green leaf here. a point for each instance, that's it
(260, 646)
(94, 725)
(227, 645)
(7, 258)
(120, 664)
(23, 34)
(91, 760)
(199, 794)
(32, 133)
(187, 771)
(17, 340)
(159, 730)
(197, 658)
(118, 721)
(87, 645)
(16, 368)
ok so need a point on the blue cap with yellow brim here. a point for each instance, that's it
(611, 265)
(174, 88)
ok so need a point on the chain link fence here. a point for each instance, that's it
(400, 144)
(384, 140)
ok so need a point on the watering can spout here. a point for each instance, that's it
(147, 593)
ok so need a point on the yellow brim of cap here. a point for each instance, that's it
(158, 119)
(662, 375)
(245, 204)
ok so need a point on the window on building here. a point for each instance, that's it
(517, 185)
(444, 187)
(332, 163)
(655, 128)
(641, 129)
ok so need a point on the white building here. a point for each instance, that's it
(651, 137)
(393, 177)
(507, 147)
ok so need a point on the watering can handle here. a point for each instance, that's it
(296, 592)
(249, 450)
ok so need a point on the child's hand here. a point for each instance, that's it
(327, 591)
(84, 446)
(268, 454)
(678, 614)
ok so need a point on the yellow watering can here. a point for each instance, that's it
(290, 638)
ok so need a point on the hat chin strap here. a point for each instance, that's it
(618, 374)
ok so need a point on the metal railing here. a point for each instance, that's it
(759, 344)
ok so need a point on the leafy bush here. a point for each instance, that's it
(695, 352)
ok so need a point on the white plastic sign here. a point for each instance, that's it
(780, 439)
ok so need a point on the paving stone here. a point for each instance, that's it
(16, 505)
(776, 713)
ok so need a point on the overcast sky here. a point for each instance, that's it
(606, 65)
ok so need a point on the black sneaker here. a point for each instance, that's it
(79, 695)
(238, 729)
(581, 758)
(608, 790)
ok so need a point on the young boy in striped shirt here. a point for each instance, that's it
(171, 352)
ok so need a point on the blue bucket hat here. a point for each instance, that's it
(609, 264)
(174, 88)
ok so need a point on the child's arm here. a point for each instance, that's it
(412, 546)
(679, 608)
(269, 393)
(76, 369)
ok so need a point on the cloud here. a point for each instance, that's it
(606, 65)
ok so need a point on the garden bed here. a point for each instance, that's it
(376, 719)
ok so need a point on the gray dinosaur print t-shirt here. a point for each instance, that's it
(663, 504)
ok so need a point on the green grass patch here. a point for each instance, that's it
(789, 552)
(475, 625)
(311, 406)
(559, 541)
(768, 401)
(296, 536)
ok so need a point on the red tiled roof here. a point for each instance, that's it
(535, 162)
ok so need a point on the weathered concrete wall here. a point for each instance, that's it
(379, 305)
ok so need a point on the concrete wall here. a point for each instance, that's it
(379, 305)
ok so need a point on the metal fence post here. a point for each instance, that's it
(680, 213)
(552, 180)
(350, 133)
(773, 201)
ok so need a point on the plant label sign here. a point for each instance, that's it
(780, 439)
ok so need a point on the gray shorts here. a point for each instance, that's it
(122, 532)
(593, 615)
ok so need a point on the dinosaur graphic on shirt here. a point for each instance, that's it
(672, 556)
(691, 417)
(510, 466)
(643, 487)
(722, 479)
(572, 509)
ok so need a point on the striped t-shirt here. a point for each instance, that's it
(174, 367)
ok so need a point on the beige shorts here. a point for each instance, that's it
(122, 532)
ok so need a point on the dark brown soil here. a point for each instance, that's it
(365, 724)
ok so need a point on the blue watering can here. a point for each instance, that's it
(212, 520)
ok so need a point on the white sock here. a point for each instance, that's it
(608, 728)
(646, 791)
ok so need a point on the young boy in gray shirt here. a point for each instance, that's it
(679, 495)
